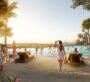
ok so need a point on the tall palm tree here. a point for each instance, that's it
(86, 26)
(5, 16)
(6, 12)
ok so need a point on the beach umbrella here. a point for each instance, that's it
(14, 47)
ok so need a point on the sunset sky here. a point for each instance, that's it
(46, 21)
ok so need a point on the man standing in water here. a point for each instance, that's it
(61, 53)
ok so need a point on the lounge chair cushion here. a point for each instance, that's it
(74, 57)
(24, 57)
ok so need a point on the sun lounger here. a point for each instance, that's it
(24, 57)
(75, 59)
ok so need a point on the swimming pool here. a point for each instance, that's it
(53, 51)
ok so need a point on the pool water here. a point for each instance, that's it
(53, 51)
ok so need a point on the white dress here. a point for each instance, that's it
(60, 54)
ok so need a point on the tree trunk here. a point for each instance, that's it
(5, 40)
(88, 37)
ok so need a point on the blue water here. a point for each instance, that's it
(53, 51)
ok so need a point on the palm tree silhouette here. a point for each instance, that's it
(6, 14)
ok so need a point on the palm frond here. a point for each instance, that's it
(9, 15)
(7, 31)
(1, 24)
(12, 6)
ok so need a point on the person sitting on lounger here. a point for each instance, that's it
(75, 50)
(74, 57)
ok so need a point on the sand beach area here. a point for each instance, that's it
(45, 69)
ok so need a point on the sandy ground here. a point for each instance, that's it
(45, 69)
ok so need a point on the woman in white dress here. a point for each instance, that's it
(61, 53)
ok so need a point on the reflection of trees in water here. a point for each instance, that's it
(49, 50)
(39, 50)
(36, 50)
(42, 50)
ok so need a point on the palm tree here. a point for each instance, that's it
(8, 13)
(86, 26)
(84, 3)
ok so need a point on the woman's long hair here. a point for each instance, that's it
(61, 45)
